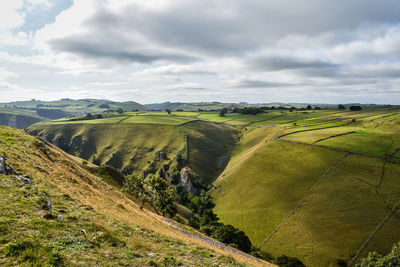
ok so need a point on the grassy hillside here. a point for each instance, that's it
(21, 114)
(101, 225)
(324, 192)
(131, 141)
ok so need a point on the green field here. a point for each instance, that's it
(267, 179)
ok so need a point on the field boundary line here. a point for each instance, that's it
(262, 243)
(394, 152)
(333, 136)
(360, 250)
(119, 122)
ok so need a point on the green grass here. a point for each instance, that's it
(214, 116)
(375, 138)
(129, 146)
(352, 200)
(158, 119)
(267, 178)
(260, 190)
(366, 142)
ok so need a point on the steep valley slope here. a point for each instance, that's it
(18, 120)
(145, 147)
(99, 225)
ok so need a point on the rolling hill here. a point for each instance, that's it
(21, 114)
(99, 224)
(318, 185)
(132, 142)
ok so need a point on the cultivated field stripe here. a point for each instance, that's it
(262, 120)
(303, 199)
(374, 233)
(332, 148)
(315, 129)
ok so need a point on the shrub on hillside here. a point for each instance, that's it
(285, 261)
(230, 235)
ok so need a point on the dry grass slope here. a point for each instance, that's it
(88, 203)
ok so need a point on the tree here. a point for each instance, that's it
(355, 108)
(137, 187)
(162, 196)
(374, 259)
(341, 107)
(168, 111)
(309, 107)
(120, 111)
(222, 112)
(104, 106)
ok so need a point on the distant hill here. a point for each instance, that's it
(193, 106)
(21, 114)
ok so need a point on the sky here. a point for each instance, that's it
(256, 51)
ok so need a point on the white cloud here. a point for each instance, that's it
(5, 74)
(10, 15)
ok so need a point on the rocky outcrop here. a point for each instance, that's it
(4, 168)
(185, 181)
(23, 180)
(2, 165)
(161, 155)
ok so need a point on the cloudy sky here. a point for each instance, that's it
(201, 50)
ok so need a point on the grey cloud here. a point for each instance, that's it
(260, 84)
(101, 50)
(282, 63)
(206, 28)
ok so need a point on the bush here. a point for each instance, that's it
(171, 261)
(16, 249)
(193, 223)
(230, 235)
(285, 261)
(55, 259)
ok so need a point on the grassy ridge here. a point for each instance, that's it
(133, 146)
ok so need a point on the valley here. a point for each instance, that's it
(294, 179)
